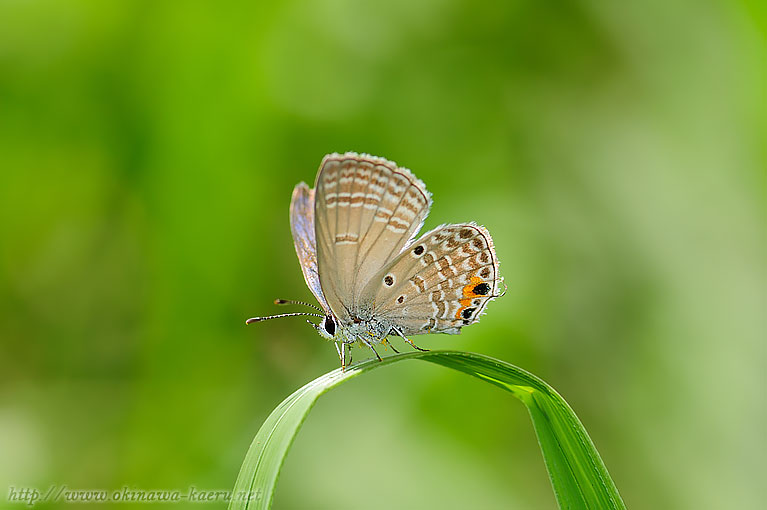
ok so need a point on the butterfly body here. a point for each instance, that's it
(355, 237)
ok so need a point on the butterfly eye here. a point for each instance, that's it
(329, 325)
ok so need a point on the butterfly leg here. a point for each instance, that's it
(344, 362)
(386, 341)
(414, 346)
(340, 356)
(371, 348)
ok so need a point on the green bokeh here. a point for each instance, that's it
(616, 152)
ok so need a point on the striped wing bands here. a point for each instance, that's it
(439, 283)
(366, 211)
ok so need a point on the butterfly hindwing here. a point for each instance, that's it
(366, 210)
(440, 282)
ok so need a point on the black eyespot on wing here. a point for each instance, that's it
(389, 280)
(481, 289)
(467, 313)
(418, 250)
(330, 326)
(400, 299)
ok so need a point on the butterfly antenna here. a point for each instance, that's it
(268, 317)
(294, 302)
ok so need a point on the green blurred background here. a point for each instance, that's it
(616, 152)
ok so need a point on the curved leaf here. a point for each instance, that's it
(578, 475)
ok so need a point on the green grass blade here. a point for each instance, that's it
(577, 473)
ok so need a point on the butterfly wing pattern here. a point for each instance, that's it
(439, 283)
(366, 211)
(354, 235)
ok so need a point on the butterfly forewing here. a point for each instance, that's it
(302, 228)
(439, 283)
(366, 210)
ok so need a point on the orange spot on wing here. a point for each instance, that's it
(468, 290)
(468, 293)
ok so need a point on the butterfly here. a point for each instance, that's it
(355, 237)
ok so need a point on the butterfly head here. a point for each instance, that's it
(331, 328)
(327, 327)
